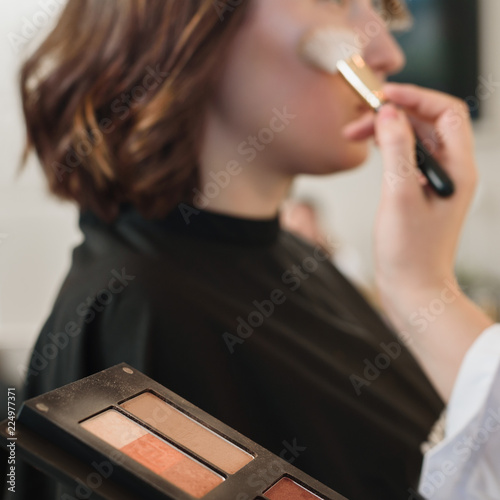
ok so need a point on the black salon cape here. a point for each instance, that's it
(167, 297)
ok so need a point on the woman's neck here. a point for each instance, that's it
(245, 185)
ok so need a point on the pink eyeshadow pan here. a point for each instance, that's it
(286, 489)
(187, 432)
(152, 452)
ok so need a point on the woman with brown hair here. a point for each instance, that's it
(178, 127)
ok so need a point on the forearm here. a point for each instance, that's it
(417, 233)
(441, 324)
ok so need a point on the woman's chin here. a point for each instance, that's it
(353, 157)
(358, 153)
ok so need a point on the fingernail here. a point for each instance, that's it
(388, 112)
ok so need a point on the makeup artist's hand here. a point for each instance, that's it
(417, 232)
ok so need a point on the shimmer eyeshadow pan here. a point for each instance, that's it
(119, 435)
(187, 432)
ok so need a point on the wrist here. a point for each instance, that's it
(438, 310)
(409, 290)
(410, 305)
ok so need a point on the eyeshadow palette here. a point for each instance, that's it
(137, 439)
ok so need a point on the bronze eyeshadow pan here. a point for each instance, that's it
(119, 435)
(178, 426)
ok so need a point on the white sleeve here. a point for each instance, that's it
(466, 464)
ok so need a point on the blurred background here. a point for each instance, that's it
(452, 47)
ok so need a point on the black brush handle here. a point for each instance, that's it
(437, 177)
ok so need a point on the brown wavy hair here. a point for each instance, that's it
(114, 99)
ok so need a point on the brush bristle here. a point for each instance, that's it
(325, 47)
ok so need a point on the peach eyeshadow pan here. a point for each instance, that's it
(152, 452)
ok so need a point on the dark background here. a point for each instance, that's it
(442, 48)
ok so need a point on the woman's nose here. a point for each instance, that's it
(383, 54)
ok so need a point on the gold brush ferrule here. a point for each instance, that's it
(359, 75)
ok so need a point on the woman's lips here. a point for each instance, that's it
(361, 128)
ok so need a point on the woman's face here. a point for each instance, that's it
(265, 78)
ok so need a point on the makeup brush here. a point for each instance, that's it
(335, 51)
